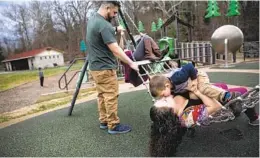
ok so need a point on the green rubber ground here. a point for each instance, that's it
(251, 65)
(234, 78)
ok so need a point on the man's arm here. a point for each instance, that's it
(110, 41)
(118, 52)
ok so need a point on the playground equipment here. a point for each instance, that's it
(67, 80)
(167, 41)
(146, 66)
(227, 38)
(232, 33)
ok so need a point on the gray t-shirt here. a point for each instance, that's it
(100, 33)
(41, 74)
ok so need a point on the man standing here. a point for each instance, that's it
(41, 76)
(103, 50)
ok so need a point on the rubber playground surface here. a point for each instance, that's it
(252, 65)
(57, 134)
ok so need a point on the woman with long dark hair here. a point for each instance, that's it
(172, 116)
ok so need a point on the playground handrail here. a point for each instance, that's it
(64, 74)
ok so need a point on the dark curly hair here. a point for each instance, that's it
(166, 132)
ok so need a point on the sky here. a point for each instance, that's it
(6, 25)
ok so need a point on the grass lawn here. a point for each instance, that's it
(11, 80)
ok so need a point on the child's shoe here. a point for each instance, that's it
(236, 107)
(230, 96)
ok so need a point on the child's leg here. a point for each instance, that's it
(156, 49)
(139, 52)
(150, 48)
(206, 88)
(221, 85)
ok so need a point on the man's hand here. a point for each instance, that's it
(120, 29)
(134, 66)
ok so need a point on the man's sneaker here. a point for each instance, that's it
(103, 126)
(255, 122)
(120, 129)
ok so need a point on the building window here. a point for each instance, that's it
(41, 58)
(57, 56)
(53, 56)
(45, 57)
(50, 57)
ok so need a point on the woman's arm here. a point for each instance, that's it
(211, 104)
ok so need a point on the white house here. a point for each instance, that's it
(34, 59)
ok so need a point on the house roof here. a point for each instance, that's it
(27, 54)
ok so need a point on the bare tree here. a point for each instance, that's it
(20, 15)
(166, 7)
(43, 28)
(131, 10)
(80, 10)
(70, 21)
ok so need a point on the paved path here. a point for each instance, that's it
(27, 94)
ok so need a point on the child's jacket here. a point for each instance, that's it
(180, 76)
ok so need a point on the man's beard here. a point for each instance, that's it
(109, 19)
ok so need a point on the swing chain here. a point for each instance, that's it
(248, 100)
(128, 16)
(250, 97)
